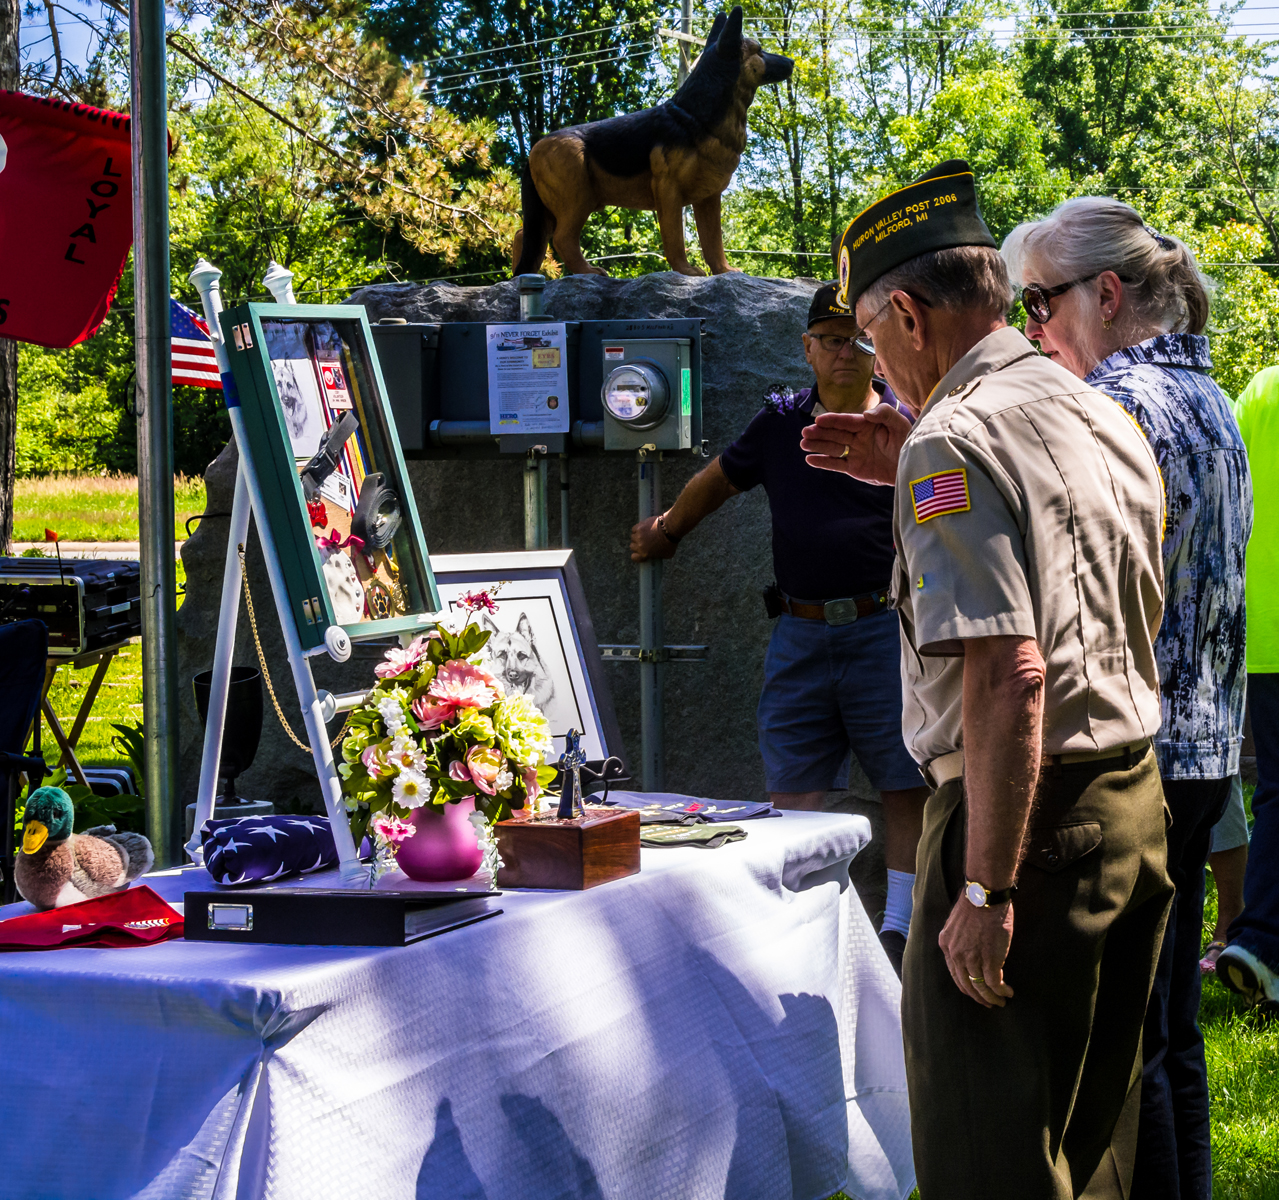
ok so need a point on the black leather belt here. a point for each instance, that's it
(838, 612)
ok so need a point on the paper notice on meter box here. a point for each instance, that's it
(528, 379)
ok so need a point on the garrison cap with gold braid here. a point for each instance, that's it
(936, 212)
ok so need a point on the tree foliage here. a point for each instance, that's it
(354, 141)
(527, 68)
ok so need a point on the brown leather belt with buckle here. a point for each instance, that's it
(838, 612)
(951, 766)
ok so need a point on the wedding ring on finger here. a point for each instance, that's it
(975, 979)
(846, 450)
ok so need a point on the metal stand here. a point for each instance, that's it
(564, 539)
(536, 527)
(652, 636)
(247, 498)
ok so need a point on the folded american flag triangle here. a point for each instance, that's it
(260, 849)
(941, 493)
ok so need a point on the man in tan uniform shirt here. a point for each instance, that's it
(1028, 518)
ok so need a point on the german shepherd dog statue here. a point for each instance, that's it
(680, 153)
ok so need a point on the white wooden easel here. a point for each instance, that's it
(315, 705)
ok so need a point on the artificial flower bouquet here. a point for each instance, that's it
(438, 728)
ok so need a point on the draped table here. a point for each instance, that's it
(723, 1024)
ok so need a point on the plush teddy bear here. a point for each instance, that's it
(54, 866)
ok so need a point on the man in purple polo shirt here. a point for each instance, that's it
(832, 674)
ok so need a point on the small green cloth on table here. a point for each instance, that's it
(708, 837)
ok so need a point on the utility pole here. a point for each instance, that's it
(686, 28)
(149, 125)
(10, 70)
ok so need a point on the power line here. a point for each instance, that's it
(605, 51)
(559, 37)
(546, 70)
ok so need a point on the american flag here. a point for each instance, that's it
(945, 492)
(194, 361)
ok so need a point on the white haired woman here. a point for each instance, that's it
(1124, 307)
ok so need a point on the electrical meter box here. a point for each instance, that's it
(407, 353)
(647, 394)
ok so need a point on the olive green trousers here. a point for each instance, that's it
(1038, 1100)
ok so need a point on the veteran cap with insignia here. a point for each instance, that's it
(936, 212)
(826, 305)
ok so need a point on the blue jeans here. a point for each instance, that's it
(1257, 928)
(1174, 1148)
(829, 689)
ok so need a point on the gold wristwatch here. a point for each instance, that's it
(982, 897)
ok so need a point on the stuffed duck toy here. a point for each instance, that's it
(56, 867)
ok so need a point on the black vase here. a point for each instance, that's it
(242, 729)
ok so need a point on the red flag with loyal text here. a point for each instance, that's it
(66, 217)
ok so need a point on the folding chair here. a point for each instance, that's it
(24, 648)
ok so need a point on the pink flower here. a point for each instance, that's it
(485, 764)
(374, 761)
(431, 715)
(474, 601)
(392, 828)
(399, 661)
(531, 788)
(459, 684)
(458, 770)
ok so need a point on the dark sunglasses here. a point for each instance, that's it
(1035, 297)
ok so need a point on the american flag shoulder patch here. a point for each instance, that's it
(940, 493)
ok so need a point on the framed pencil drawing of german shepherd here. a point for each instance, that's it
(682, 152)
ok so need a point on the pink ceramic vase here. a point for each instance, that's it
(444, 846)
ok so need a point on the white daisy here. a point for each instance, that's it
(411, 789)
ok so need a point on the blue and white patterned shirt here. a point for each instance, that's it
(1164, 384)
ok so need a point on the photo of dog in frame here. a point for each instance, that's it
(525, 655)
(663, 159)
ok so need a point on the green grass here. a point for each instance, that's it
(119, 702)
(92, 508)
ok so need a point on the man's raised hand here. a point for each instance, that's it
(863, 445)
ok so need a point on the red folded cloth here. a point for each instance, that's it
(133, 917)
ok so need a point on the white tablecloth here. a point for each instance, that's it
(723, 1024)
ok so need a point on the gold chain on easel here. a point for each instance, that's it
(257, 641)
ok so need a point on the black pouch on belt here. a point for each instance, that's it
(773, 601)
(325, 460)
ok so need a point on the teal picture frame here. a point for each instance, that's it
(271, 455)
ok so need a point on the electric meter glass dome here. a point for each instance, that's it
(636, 395)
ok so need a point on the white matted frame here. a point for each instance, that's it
(543, 642)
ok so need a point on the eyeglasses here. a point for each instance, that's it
(833, 343)
(1035, 297)
(865, 340)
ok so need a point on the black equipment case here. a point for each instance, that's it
(85, 603)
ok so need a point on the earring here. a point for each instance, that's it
(1106, 323)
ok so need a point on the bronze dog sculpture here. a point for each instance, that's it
(682, 152)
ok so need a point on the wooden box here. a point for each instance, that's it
(596, 848)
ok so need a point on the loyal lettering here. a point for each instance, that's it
(103, 188)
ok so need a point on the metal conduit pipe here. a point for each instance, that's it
(461, 433)
(588, 433)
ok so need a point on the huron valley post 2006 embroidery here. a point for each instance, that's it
(940, 493)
